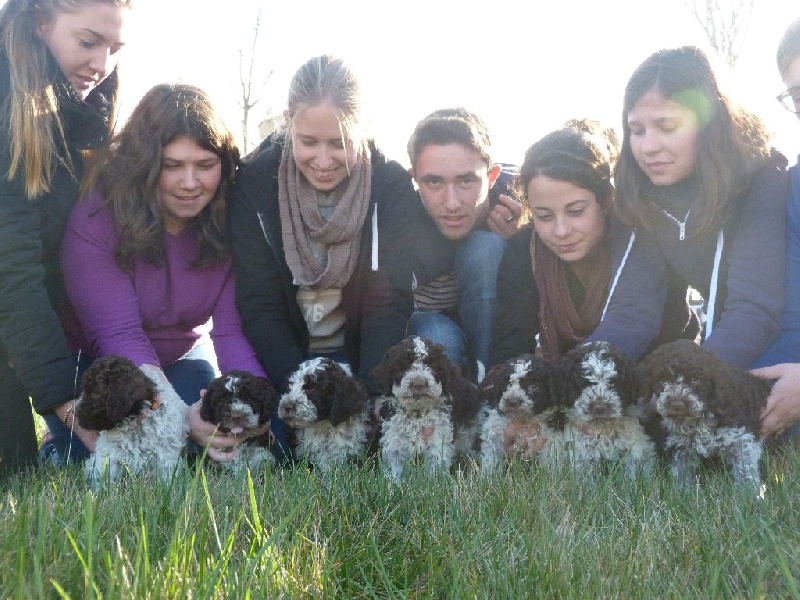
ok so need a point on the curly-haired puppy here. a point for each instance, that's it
(708, 408)
(526, 391)
(329, 408)
(240, 404)
(603, 415)
(434, 412)
(142, 426)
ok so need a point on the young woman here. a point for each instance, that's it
(146, 259)
(324, 228)
(698, 181)
(58, 86)
(556, 275)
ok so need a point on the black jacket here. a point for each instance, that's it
(377, 304)
(516, 321)
(31, 291)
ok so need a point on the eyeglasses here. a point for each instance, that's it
(790, 99)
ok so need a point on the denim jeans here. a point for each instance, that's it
(477, 261)
(188, 376)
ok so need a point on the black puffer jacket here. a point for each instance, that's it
(377, 304)
(31, 291)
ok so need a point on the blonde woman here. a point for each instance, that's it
(58, 86)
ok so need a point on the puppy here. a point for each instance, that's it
(526, 392)
(603, 415)
(240, 404)
(708, 408)
(434, 412)
(330, 410)
(141, 421)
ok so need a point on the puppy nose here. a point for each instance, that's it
(512, 400)
(599, 409)
(285, 408)
(418, 385)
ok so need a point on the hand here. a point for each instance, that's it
(87, 436)
(221, 447)
(783, 403)
(503, 218)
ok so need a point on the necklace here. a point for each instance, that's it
(681, 224)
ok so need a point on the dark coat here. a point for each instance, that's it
(377, 304)
(32, 294)
(516, 322)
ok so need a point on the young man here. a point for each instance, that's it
(467, 196)
(782, 359)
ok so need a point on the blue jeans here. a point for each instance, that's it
(188, 376)
(477, 261)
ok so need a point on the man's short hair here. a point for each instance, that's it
(789, 46)
(451, 126)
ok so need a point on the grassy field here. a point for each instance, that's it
(525, 533)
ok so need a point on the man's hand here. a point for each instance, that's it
(783, 404)
(503, 218)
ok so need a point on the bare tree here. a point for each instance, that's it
(250, 97)
(725, 24)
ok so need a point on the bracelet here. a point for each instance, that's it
(68, 412)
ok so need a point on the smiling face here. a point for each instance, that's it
(323, 151)
(86, 44)
(567, 218)
(453, 182)
(663, 138)
(188, 182)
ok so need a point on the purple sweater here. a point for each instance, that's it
(154, 315)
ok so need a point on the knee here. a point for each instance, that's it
(478, 257)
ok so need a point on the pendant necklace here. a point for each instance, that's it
(681, 224)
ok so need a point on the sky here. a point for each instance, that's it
(525, 66)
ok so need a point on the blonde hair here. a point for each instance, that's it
(328, 79)
(31, 112)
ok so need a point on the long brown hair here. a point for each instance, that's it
(129, 176)
(733, 143)
(32, 113)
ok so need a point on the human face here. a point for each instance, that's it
(567, 218)
(453, 182)
(322, 150)
(791, 77)
(663, 138)
(86, 43)
(188, 181)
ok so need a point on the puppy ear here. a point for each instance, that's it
(349, 399)
(261, 390)
(113, 389)
(626, 384)
(214, 391)
(382, 374)
(494, 384)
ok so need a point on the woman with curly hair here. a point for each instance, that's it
(146, 259)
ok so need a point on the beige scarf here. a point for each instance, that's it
(303, 226)
(562, 323)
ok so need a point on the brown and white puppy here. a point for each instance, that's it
(603, 414)
(141, 422)
(708, 408)
(240, 403)
(330, 410)
(524, 394)
(433, 411)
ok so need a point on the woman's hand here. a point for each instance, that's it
(783, 403)
(221, 447)
(66, 414)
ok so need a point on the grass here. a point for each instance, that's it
(522, 533)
